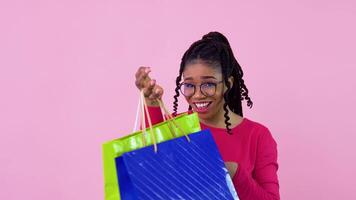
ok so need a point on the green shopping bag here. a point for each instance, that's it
(169, 129)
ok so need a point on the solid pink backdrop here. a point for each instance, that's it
(67, 85)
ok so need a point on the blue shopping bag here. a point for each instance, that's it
(179, 170)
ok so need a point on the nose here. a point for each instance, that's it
(198, 94)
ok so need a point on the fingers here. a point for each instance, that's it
(149, 87)
(147, 91)
(232, 168)
(142, 78)
(142, 70)
(153, 91)
(157, 93)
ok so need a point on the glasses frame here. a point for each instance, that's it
(201, 91)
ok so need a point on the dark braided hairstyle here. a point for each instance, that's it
(214, 49)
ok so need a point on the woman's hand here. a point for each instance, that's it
(151, 89)
(232, 168)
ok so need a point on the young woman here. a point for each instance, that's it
(210, 78)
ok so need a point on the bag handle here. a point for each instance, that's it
(145, 110)
(139, 111)
(144, 113)
(171, 118)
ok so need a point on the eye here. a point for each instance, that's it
(188, 85)
(209, 85)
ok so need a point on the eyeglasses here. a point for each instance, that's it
(207, 89)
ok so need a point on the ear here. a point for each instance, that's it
(231, 80)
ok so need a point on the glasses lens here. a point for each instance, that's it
(208, 89)
(187, 89)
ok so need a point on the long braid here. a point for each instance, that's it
(178, 79)
(244, 90)
(226, 114)
(226, 72)
(237, 97)
(240, 91)
(175, 103)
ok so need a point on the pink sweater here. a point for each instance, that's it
(252, 146)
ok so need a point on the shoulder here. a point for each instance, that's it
(254, 125)
(258, 130)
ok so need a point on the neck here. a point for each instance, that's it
(219, 120)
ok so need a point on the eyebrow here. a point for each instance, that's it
(202, 77)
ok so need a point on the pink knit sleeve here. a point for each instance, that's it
(262, 184)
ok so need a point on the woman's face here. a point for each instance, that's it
(207, 107)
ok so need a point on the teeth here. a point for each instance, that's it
(201, 105)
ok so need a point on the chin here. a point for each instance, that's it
(204, 115)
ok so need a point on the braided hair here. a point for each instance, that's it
(214, 50)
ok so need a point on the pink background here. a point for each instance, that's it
(67, 85)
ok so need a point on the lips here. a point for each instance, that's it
(202, 107)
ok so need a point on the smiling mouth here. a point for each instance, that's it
(202, 106)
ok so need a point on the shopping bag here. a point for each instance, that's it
(185, 123)
(178, 170)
